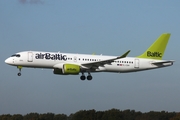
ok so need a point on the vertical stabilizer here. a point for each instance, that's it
(157, 49)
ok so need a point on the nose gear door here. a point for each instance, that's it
(30, 57)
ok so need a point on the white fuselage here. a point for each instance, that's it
(38, 59)
(73, 64)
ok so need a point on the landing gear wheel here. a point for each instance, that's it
(89, 77)
(19, 74)
(83, 77)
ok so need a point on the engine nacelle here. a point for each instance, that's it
(68, 69)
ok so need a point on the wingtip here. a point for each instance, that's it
(125, 54)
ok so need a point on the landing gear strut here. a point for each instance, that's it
(19, 73)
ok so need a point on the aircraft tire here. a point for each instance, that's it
(89, 77)
(83, 77)
(19, 74)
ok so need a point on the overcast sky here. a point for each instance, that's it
(88, 26)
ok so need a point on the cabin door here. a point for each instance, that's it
(136, 63)
(30, 57)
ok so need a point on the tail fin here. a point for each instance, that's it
(157, 49)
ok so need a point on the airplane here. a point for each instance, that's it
(74, 64)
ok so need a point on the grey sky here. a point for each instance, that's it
(101, 27)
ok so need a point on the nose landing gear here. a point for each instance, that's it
(19, 74)
(19, 67)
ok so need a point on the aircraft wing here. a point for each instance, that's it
(103, 62)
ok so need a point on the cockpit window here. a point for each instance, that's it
(13, 55)
(16, 55)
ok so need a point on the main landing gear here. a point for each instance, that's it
(83, 77)
(19, 73)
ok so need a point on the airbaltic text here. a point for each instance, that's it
(50, 56)
(154, 54)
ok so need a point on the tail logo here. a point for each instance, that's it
(154, 54)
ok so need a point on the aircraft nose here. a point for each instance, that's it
(8, 61)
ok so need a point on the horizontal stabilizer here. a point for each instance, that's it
(168, 62)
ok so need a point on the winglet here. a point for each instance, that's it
(124, 55)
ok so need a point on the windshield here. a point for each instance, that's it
(16, 55)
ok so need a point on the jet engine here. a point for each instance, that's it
(67, 69)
